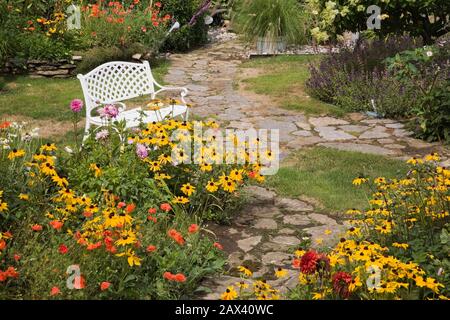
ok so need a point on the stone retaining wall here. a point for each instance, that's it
(63, 68)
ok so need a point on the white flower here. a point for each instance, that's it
(429, 53)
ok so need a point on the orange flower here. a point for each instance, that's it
(36, 227)
(150, 218)
(5, 125)
(2, 245)
(120, 205)
(169, 276)
(193, 228)
(105, 285)
(94, 246)
(17, 257)
(54, 291)
(130, 208)
(158, 4)
(175, 235)
(296, 263)
(151, 248)
(218, 245)
(11, 272)
(155, 23)
(56, 224)
(152, 211)
(179, 277)
(165, 207)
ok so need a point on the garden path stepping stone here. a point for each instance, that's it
(331, 134)
(286, 240)
(359, 147)
(326, 121)
(265, 224)
(292, 205)
(248, 243)
(297, 220)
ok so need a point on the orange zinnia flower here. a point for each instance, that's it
(193, 228)
(179, 277)
(5, 124)
(175, 235)
(218, 245)
(63, 249)
(130, 208)
(36, 227)
(166, 207)
(105, 285)
(2, 244)
(56, 224)
(54, 291)
(151, 248)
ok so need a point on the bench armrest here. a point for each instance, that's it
(183, 91)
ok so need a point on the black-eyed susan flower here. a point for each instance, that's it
(229, 294)
(211, 186)
(281, 273)
(359, 180)
(245, 271)
(16, 153)
(187, 189)
(180, 200)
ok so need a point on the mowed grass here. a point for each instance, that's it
(327, 174)
(46, 98)
(283, 78)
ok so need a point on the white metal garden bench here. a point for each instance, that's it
(115, 82)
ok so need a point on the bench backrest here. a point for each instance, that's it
(116, 81)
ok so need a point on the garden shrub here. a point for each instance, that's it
(352, 77)
(426, 70)
(99, 55)
(188, 36)
(2, 84)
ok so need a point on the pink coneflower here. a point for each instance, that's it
(102, 135)
(76, 105)
(141, 151)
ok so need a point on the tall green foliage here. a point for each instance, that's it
(270, 19)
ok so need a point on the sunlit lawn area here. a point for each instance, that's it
(48, 98)
(283, 79)
(327, 175)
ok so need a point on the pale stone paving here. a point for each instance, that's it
(265, 233)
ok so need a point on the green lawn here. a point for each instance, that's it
(284, 79)
(327, 174)
(48, 98)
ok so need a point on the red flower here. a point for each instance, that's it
(166, 207)
(175, 235)
(155, 23)
(130, 208)
(150, 218)
(179, 277)
(2, 244)
(341, 281)
(56, 224)
(17, 257)
(143, 29)
(120, 205)
(218, 245)
(11, 272)
(252, 174)
(308, 262)
(151, 248)
(87, 214)
(104, 285)
(36, 227)
(296, 263)
(152, 211)
(158, 4)
(63, 249)
(54, 291)
(169, 276)
(5, 125)
(193, 228)
(94, 246)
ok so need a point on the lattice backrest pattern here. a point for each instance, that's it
(117, 81)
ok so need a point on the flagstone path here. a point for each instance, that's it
(264, 234)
